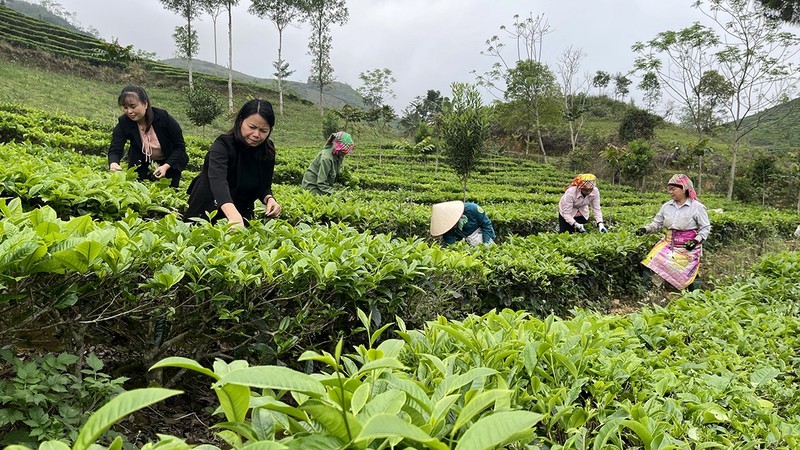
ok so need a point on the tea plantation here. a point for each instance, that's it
(342, 324)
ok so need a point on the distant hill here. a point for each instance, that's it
(780, 130)
(336, 95)
(42, 13)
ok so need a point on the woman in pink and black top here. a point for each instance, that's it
(573, 208)
(154, 136)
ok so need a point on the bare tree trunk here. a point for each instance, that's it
(572, 137)
(214, 20)
(279, 74)
(527, 142)
(699, 187)
(189, 28)
(733, 170)
(230, 60)
(539, 134)
(321, 107)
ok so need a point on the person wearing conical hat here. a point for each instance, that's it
(457, 220)
(323, 170)
(676, 257)
(579, 198)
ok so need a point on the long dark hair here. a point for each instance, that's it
(264, 109)
(142, 96)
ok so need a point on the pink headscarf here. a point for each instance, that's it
(342, 143)
(683, 181)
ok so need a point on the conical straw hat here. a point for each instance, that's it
(444, 216)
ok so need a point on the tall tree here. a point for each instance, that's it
(527, 37)
(321, 14)
(574, 91)
(755, 59)
(422, 111)
(601, 81)
(188, 10)
(651, 88)
(464, 126)
(229, 4)
(282, 13)
(376, 87)
(621, 86)
(678, 60)
(532, 88)
(213, 8)
(185, 43)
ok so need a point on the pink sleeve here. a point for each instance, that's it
(565, 208)
(598, 214)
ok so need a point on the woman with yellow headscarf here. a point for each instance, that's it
(579, 198)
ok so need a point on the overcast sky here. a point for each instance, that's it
(428, 44)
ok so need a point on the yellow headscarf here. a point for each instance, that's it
(584, 180)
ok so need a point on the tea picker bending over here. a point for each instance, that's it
(238, 169)
(573, 207)
(676, 257)
(324, 169)
(458, 220)
(155, 137)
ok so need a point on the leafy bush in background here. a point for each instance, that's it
(42, 399)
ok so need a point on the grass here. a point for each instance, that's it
(53, 90)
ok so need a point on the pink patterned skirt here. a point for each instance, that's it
(672, 262)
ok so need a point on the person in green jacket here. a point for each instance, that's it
(324, 169)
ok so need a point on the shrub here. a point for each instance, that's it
(43, 401)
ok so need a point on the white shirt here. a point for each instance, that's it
(692, 215)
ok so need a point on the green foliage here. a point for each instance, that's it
(186, 43)
(204, 105)
(43, 399)
(464, 126)
(376, 87)
(115, 55)
(361, 400)
(422, 112)
(321, 15)
(638, 124)
(636, 161)
(601, 80)
(711, 370)
(330, 124)
(100, 421)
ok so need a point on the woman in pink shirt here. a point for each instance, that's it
(573, 209)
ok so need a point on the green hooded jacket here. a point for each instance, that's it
(322, 172)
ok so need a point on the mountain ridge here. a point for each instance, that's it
(335, 95)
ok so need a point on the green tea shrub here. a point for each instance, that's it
(42, 399)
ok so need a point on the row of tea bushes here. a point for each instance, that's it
(710, 370)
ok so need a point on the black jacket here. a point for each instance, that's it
(218, 181)
(169, 134)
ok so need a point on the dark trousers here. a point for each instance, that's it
(145, 174)
(564, 226)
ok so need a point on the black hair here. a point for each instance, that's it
(142, 96)
(264, 109)
(686, 191)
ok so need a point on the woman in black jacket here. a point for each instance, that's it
(154, 137)
(238, 169)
